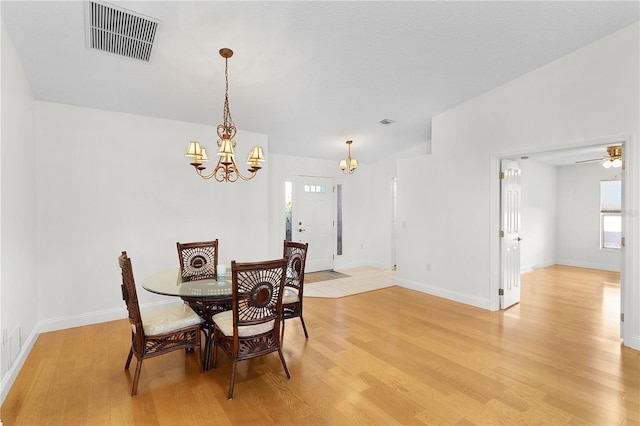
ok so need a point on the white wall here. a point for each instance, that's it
(443, 216)
(378, 185)
(18, 259)
(110, 182)
(578, 239)
(588, 95)
(367, 204)
(538, 215)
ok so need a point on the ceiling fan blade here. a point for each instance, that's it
(592, 160)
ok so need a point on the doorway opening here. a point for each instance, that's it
(552, 181)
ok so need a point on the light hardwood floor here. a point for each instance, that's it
(391, 356)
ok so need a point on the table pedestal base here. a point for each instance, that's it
(206, 309)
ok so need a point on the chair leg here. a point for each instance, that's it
(233, 378)
(214, 355)
(304, 327)
(284, 364)
(282, 332)
(198, 352)
(136, 377)
(126, 365)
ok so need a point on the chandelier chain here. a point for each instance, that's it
(226, 169)
(226, 113)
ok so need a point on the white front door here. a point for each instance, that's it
(509, 233)
(313, 220)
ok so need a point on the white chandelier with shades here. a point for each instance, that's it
(226, 170)
(349, 165)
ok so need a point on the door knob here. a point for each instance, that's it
(518, 239)
(301, 230)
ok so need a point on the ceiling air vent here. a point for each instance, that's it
(120, 31)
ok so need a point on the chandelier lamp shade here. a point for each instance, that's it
(349, 165)
(226, 169)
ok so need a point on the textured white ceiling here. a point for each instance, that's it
(309, 74)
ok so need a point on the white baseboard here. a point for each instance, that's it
(71, 321)
(62, 323)
(530, 268)
(633, 343)
(12, 374)
(589, 265)
(446, 294)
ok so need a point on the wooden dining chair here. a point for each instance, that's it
(158, 332)
(198, 260)
(252, 327)
(296, 255)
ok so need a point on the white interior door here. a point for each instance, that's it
(509, 233)
(313, 220)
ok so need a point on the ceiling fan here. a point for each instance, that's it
(613, 160)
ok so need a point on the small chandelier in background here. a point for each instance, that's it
(226, 169)
(615, 157)
(349, 165)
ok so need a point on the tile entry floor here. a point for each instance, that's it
(360, 280)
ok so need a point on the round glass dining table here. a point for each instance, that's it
(206, 297)
(170, 283)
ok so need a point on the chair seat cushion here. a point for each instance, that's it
(224, 321)
(169, 319)
(290, 296)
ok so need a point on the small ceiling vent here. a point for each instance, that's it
(119, 31)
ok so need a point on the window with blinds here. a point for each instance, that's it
(610, 214)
